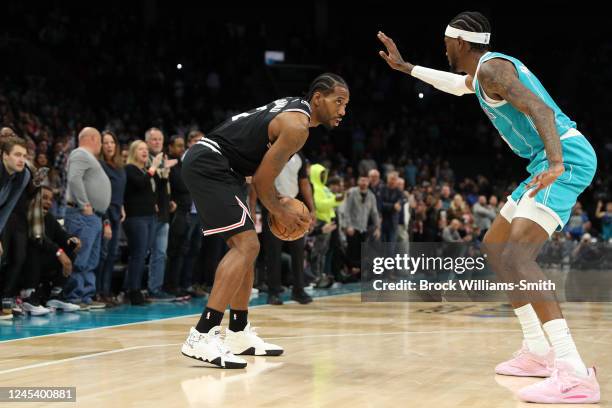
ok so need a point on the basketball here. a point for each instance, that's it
(281, 231)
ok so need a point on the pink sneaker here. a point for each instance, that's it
(563, 387)
(524, 363)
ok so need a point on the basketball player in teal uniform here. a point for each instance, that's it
(562, 164)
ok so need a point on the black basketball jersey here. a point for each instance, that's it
(243, 138)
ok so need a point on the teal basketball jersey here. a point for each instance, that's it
(515, 127)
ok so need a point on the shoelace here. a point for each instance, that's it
(560, 376)
(218, 342)
(252, 332)
(523, 353)
(519, 353)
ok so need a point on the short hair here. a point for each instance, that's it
(174, 138)
(475, 22)
(193, 134)
(83, 134)
(10, 142)
(148, 132)
(325, 84)
(335, 180)
(393, 173)
(7, 131)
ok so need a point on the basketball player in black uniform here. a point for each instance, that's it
(256, 143)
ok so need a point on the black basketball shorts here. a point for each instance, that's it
(219, 194)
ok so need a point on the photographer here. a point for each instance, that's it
(586, 255)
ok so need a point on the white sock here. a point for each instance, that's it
(563, 344)
(532, 331)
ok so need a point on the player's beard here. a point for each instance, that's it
(327, 124)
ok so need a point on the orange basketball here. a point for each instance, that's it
(280, 230)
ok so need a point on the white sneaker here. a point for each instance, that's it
(34, 310)
(247, 342)
(65, 306)
(209, 348)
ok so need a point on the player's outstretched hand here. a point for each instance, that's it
(545, 179)
(393, 56)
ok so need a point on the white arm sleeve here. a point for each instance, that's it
(444, 81)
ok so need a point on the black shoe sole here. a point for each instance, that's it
(251, 352)
(301, 302)
(276, 302)
(274, 353)
(217, 362)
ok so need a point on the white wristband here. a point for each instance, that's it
(442, 80)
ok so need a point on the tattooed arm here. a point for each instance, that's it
(499, 80)
(291, 131)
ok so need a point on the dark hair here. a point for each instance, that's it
(325, 83)
(10, 142)
(335, 180)
(38, 153)
(193, 134)
(475, 22)
(117, 160)
(174, 138)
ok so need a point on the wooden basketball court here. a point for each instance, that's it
(340, 352)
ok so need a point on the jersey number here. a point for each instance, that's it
(278, 105)
(247, 114)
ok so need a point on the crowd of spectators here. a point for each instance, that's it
(407, 165)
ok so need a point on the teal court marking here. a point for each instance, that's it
(55, 323)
